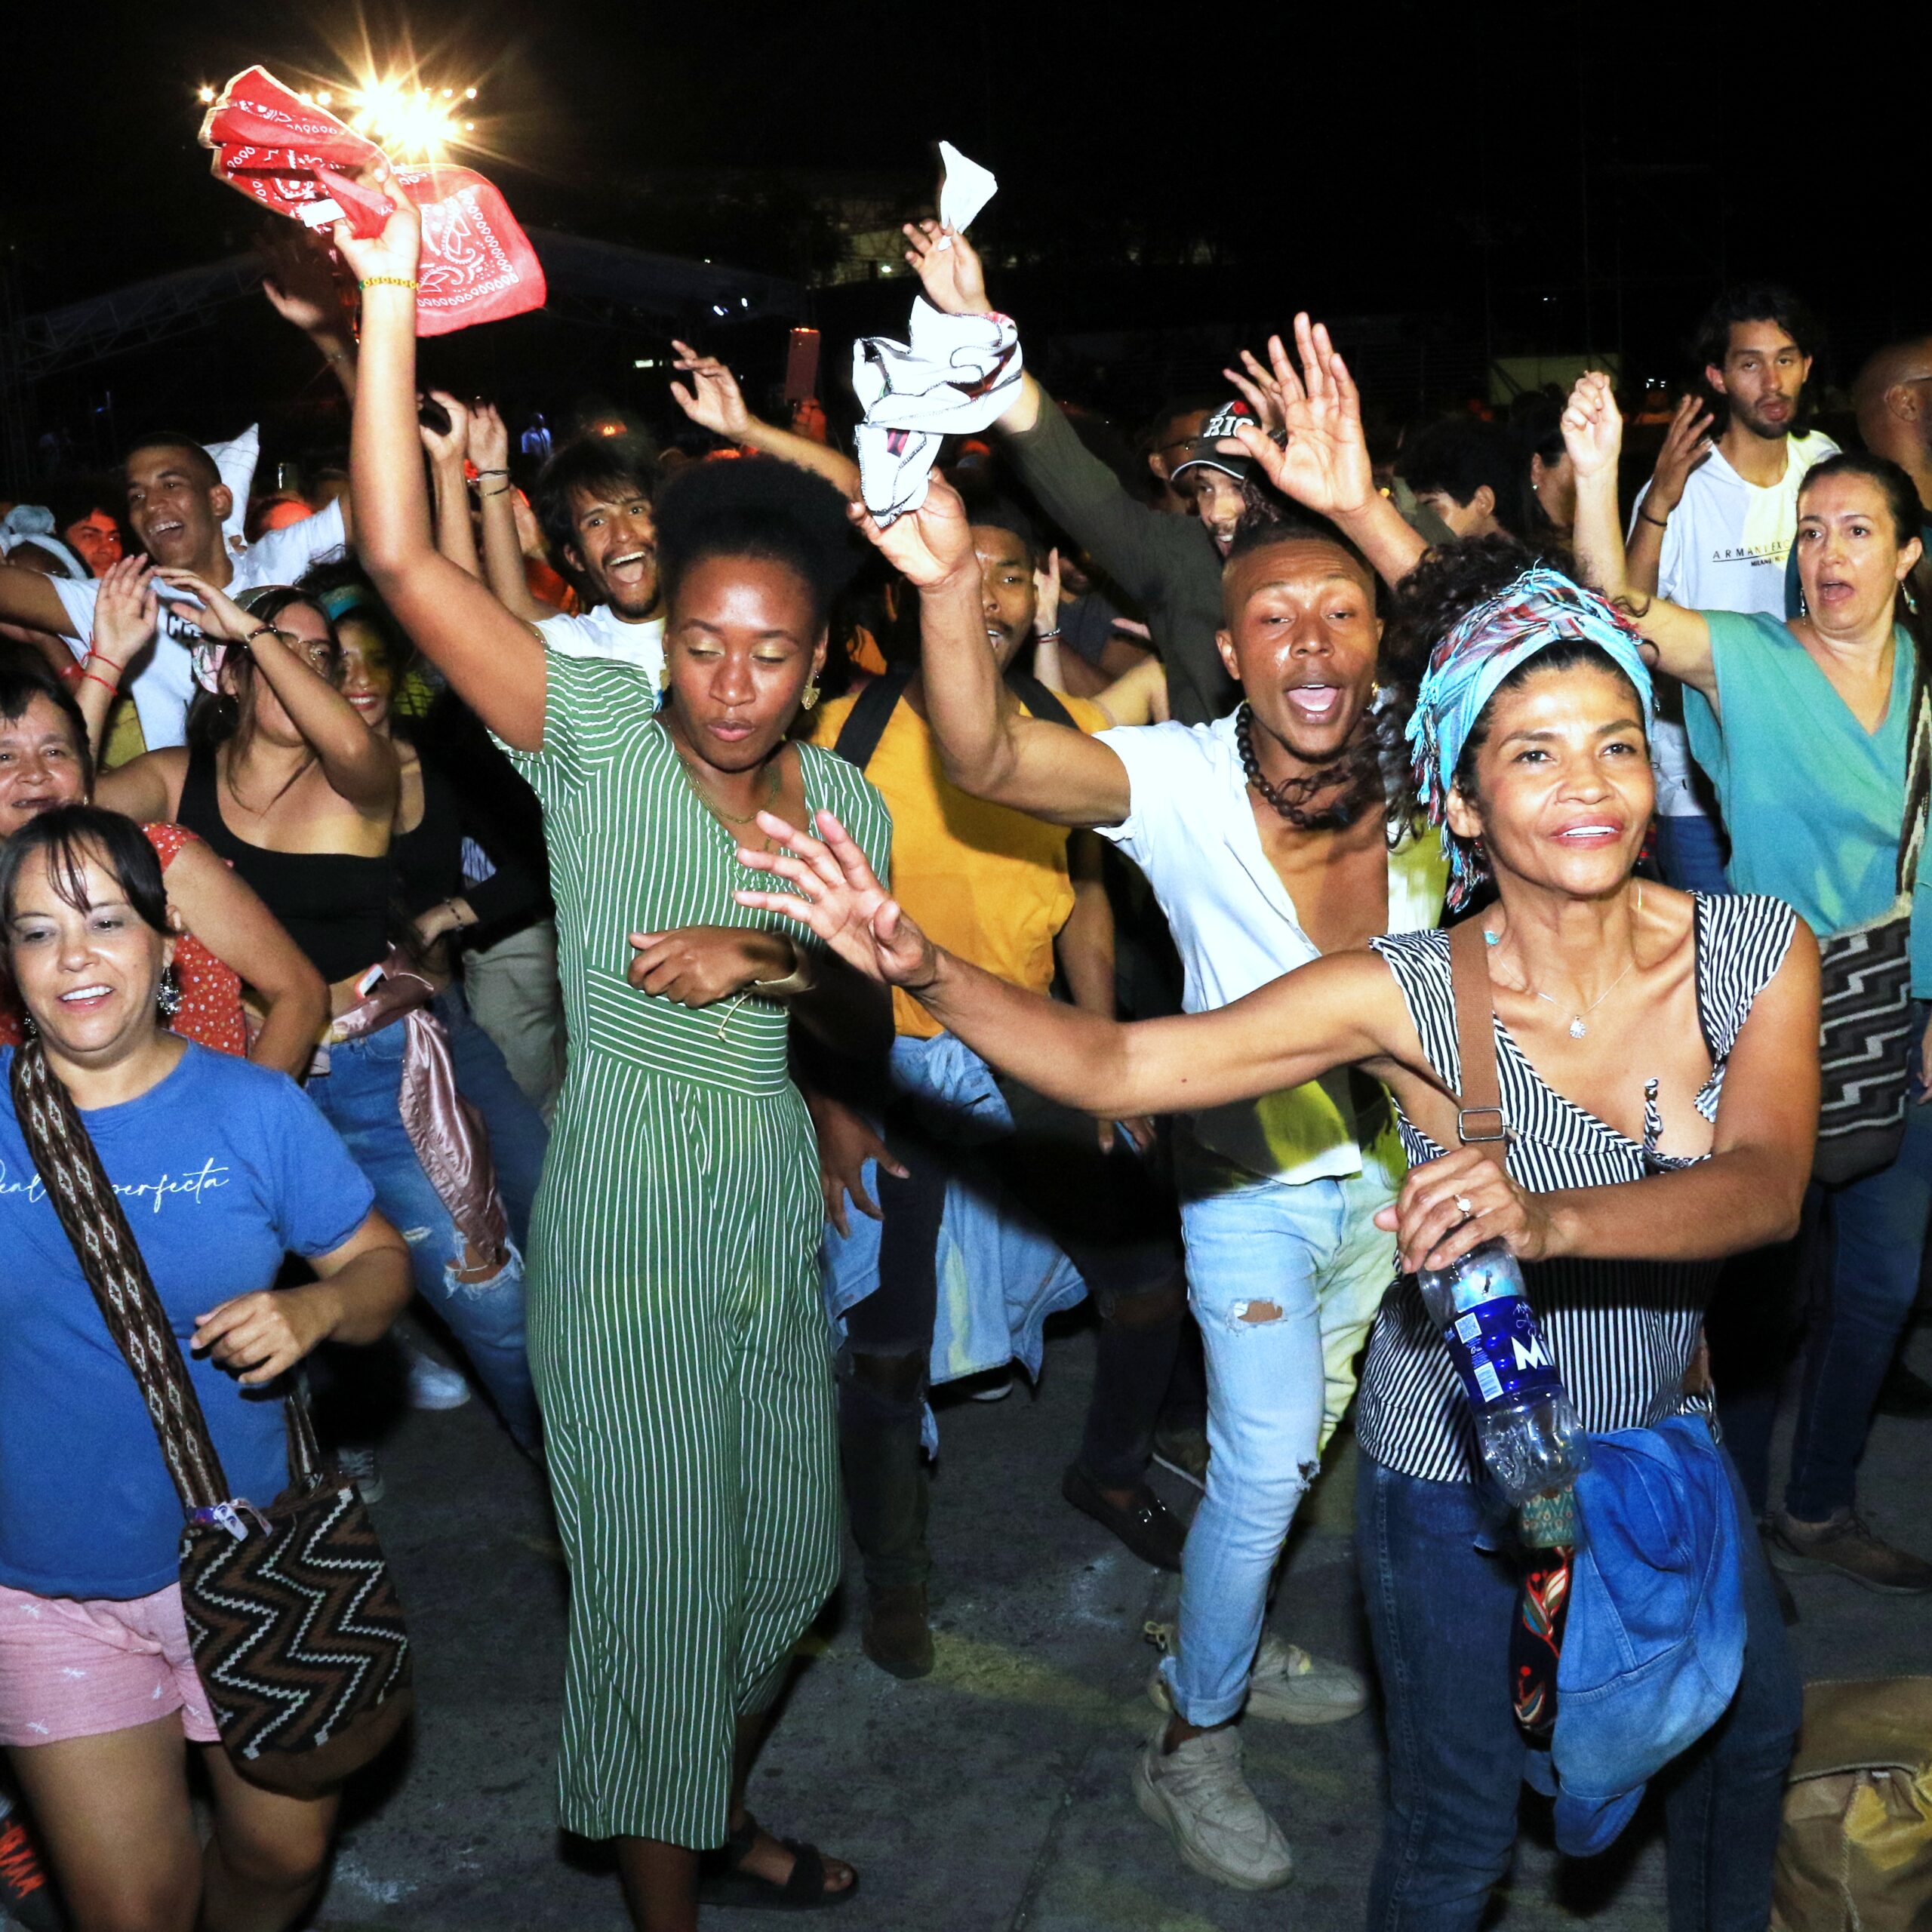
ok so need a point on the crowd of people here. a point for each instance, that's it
(742, 961)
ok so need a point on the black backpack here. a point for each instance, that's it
(866, 722)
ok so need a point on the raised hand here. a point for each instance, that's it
(714, 400)
(393, 254)
(1687, 445)
(1047, 595)
(213, 613)
(447, 448)
(301, 286)
(125, 612)
(1324, 464)
(1592, 428)
(948, 269)
(489, 438)
(929, 545)
(1262, 392)
(838, 897)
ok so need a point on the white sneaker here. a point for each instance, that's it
(360, 1467)
(1197, 1791)
(1286, 1686)
(433, 1384)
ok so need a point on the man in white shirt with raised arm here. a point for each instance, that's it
(1266, 837)
(1713, 527)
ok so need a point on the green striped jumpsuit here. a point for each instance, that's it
(677, 1336)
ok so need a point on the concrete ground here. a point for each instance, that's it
(993, 1795)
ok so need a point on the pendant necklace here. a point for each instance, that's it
(1577, 1030)
(711, 804)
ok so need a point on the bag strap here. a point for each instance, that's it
(872, 712)
(1479, 1121)
(91, 1215)
(1918, 777)
(1039, 699)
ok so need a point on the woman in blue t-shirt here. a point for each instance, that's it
(1805, 728)
(222, 1168)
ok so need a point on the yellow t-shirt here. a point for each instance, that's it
(986, 882)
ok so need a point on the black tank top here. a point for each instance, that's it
(335, 905)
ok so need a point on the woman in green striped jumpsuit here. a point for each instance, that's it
(678, 1342)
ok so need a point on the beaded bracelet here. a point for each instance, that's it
(387, 281)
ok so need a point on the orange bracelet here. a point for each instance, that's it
(88, 677)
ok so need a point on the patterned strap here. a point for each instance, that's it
(1918, 777)
(91, 1213)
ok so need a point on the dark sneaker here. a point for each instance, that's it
(26, 1898)
(896, 1636)
(1844, 1543)
(1146, 1525)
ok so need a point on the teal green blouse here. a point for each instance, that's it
(1813, 802)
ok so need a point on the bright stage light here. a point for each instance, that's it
(205, 95)
(410, 121)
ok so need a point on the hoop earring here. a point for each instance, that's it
(809, 696)
(167, 996)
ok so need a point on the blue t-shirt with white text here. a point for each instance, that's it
(221, 1168)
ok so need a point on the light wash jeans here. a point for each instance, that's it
(1284, 1281)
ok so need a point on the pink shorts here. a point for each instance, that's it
(71, 1667)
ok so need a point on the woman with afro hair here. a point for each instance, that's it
(678, 1342)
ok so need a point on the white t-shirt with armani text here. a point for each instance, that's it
(1724, 549)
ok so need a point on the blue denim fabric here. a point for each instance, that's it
(1691, 851)
(1440, 1610)
(518, 1139)
(1878, 1227)
(1276, 1388)
(360, 1095)
(1654, 1640)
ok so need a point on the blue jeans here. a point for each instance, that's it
(1690, 850)
(1440, 1611)
(1879, 1231)
(1284, 1281)
(360, 1096)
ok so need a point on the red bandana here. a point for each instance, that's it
(476, 265)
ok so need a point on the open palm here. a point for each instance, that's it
(1323, 465)
(838, 897)
(928, 545)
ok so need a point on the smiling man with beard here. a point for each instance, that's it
(1714, 526)
(1270, 837)
(593, 500)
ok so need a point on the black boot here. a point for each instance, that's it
(886, 1489)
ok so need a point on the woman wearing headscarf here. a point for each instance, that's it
(1657, 1060)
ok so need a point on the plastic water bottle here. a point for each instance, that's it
(1528, 1430)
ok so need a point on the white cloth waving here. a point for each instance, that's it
(954, 378)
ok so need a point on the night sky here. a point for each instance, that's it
(1547, 179)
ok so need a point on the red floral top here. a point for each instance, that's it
(211, 1011)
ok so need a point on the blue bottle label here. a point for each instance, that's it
(1500, 1352)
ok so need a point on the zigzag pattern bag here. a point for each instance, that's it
(1865, 1031)
(297, 1633)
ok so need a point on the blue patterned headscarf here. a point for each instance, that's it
(1539, 609)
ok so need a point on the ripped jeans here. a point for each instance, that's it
(359, 1096)
(1284, 1281)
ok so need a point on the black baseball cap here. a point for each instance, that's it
(1206, 448)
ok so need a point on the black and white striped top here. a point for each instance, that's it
(1621, 1332)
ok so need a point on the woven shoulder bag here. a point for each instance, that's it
(297, 1633)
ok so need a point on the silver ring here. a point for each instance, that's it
(1464, 1206)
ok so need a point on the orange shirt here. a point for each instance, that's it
(986, 882)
